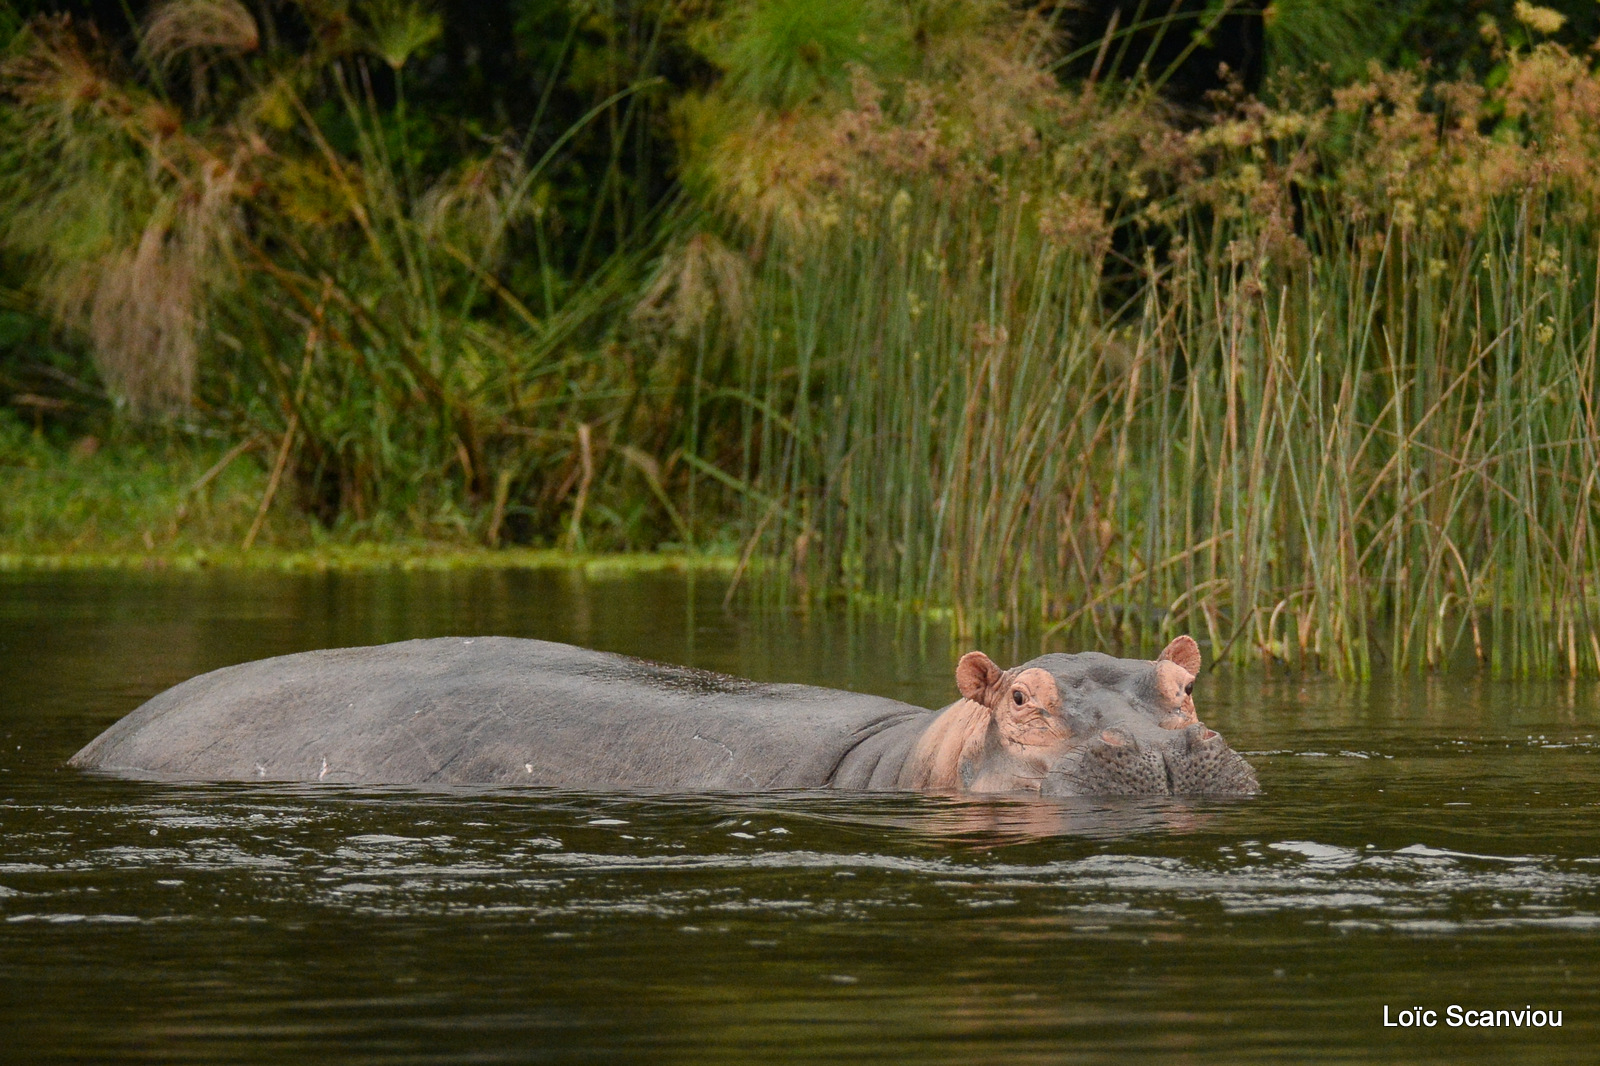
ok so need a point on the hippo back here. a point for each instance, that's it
(498, 710)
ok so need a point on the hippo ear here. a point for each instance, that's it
(1183, 651)
(976, 675)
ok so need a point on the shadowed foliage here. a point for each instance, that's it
(925, 303)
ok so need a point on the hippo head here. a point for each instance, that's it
(1081, 725)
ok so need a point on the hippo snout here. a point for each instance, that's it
(1191, 761)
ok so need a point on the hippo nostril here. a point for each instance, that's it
(1208, 734)
(1115, 738)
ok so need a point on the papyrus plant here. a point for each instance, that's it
(1313, 374)
(252, 233)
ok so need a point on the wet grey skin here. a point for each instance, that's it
(1125, 752)
(506, 711)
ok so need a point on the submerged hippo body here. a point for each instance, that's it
(500, 710)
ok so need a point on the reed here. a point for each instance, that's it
(1368, 460)
(1318, 386)
(1312, 376)
(250, 235)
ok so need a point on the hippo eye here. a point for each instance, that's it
(1017, 697)
(1188, 690)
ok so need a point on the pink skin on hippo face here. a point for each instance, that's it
(1084, 724)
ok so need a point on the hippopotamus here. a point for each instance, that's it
(502, 710)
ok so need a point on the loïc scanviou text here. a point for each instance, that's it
(1457, 1016)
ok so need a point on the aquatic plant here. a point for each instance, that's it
(1311, 373)
(270, 208)
(1315, 379)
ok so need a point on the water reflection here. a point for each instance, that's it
(998, 821)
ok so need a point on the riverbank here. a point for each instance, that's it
(372, 557)
(148, 501)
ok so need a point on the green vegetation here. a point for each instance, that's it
(139, 493)
(1311, 373)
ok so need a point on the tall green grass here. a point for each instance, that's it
(1314, 378)
(248, 234)
(1372, 446)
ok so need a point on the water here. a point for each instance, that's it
(1418, 844)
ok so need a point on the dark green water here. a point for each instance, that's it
(1418, 843)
